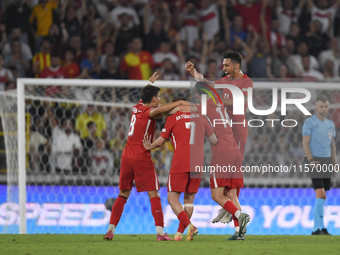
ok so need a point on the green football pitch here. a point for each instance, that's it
(146, 244)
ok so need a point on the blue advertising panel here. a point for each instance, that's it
(81, 209)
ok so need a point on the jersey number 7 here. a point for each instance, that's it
(192, 127)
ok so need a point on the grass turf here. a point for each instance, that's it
(147, 244)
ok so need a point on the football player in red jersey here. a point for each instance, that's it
(136, 163)
(187, 131)
(231, 66)
(225, 155)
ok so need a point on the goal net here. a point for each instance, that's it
(63, 140)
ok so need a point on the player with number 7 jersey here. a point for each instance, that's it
(136, 163)
(187, 131)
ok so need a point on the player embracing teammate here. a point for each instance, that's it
(234, 76)
(136, 163)
(187, 131)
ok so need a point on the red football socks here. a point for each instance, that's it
(184, 220)
(230, 207)
(181, 227)
(157, 212)
(117, 210)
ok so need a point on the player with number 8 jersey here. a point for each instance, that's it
(136, 163)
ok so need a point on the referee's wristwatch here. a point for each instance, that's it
(311, 160)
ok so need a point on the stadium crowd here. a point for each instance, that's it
(280, 40)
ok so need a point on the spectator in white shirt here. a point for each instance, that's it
(331, 54)
(309, 74)
(5, 74)
(168, 71)
(102, 162)
(302, 51)
(287, 14)
(189, 23)
(123, 7)
(65, 143)
(16, 34)
(210, 18)
(165, 53)
(323, 12)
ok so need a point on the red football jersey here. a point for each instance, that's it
(187, 132)
(223, 131)
(140, 124)
(50, 72)
(243, 83)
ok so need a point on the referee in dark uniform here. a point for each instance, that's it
(318, 144)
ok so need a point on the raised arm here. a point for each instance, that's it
(168, 17)
(179, 49)
(310, 5)
(146, 18)
(205, 49)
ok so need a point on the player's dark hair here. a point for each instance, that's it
(90, 124)
(234, 56)
(179, 98)
(321, 98)
(148, 92)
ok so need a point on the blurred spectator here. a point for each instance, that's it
(302, 51)
(282, 59)
(156, 33)
(88, 25)
(91, 115)
(54, 70)
(42, 16)
(70, 17)
(288, 13)
(250, 12)
(165, 53)
(37, 144)
(211, 70)
(102, 162)
(126, 33)
(17, 17)
(75, 43)
(329, 73)
(70, 66)
(189, 23)
(168, 70)
(331, 54)
(235, 28)
(259, 64)
(324, 12)
(58, 36)
(90, 65)
(111, 71)
(123, 7)
(5, 74)
(17, 58)
(25, 49)
(316, 39)
(309, 74)
(109, 50)
(42, 59)
(10, 85)
(89, 142)
(14, 71)
(295, 35)
(3, 36)
(210, 18)
(137, 64)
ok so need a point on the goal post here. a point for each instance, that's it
(21, 96)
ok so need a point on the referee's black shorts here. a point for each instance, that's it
(321, 181)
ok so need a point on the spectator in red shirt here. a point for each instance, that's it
(250, 13)
(70, 66)
(53, 71)
(137, 64)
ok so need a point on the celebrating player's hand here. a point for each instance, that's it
(154, 77)
(189, 66)
(147, 141)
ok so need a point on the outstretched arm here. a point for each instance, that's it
(166, 108)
